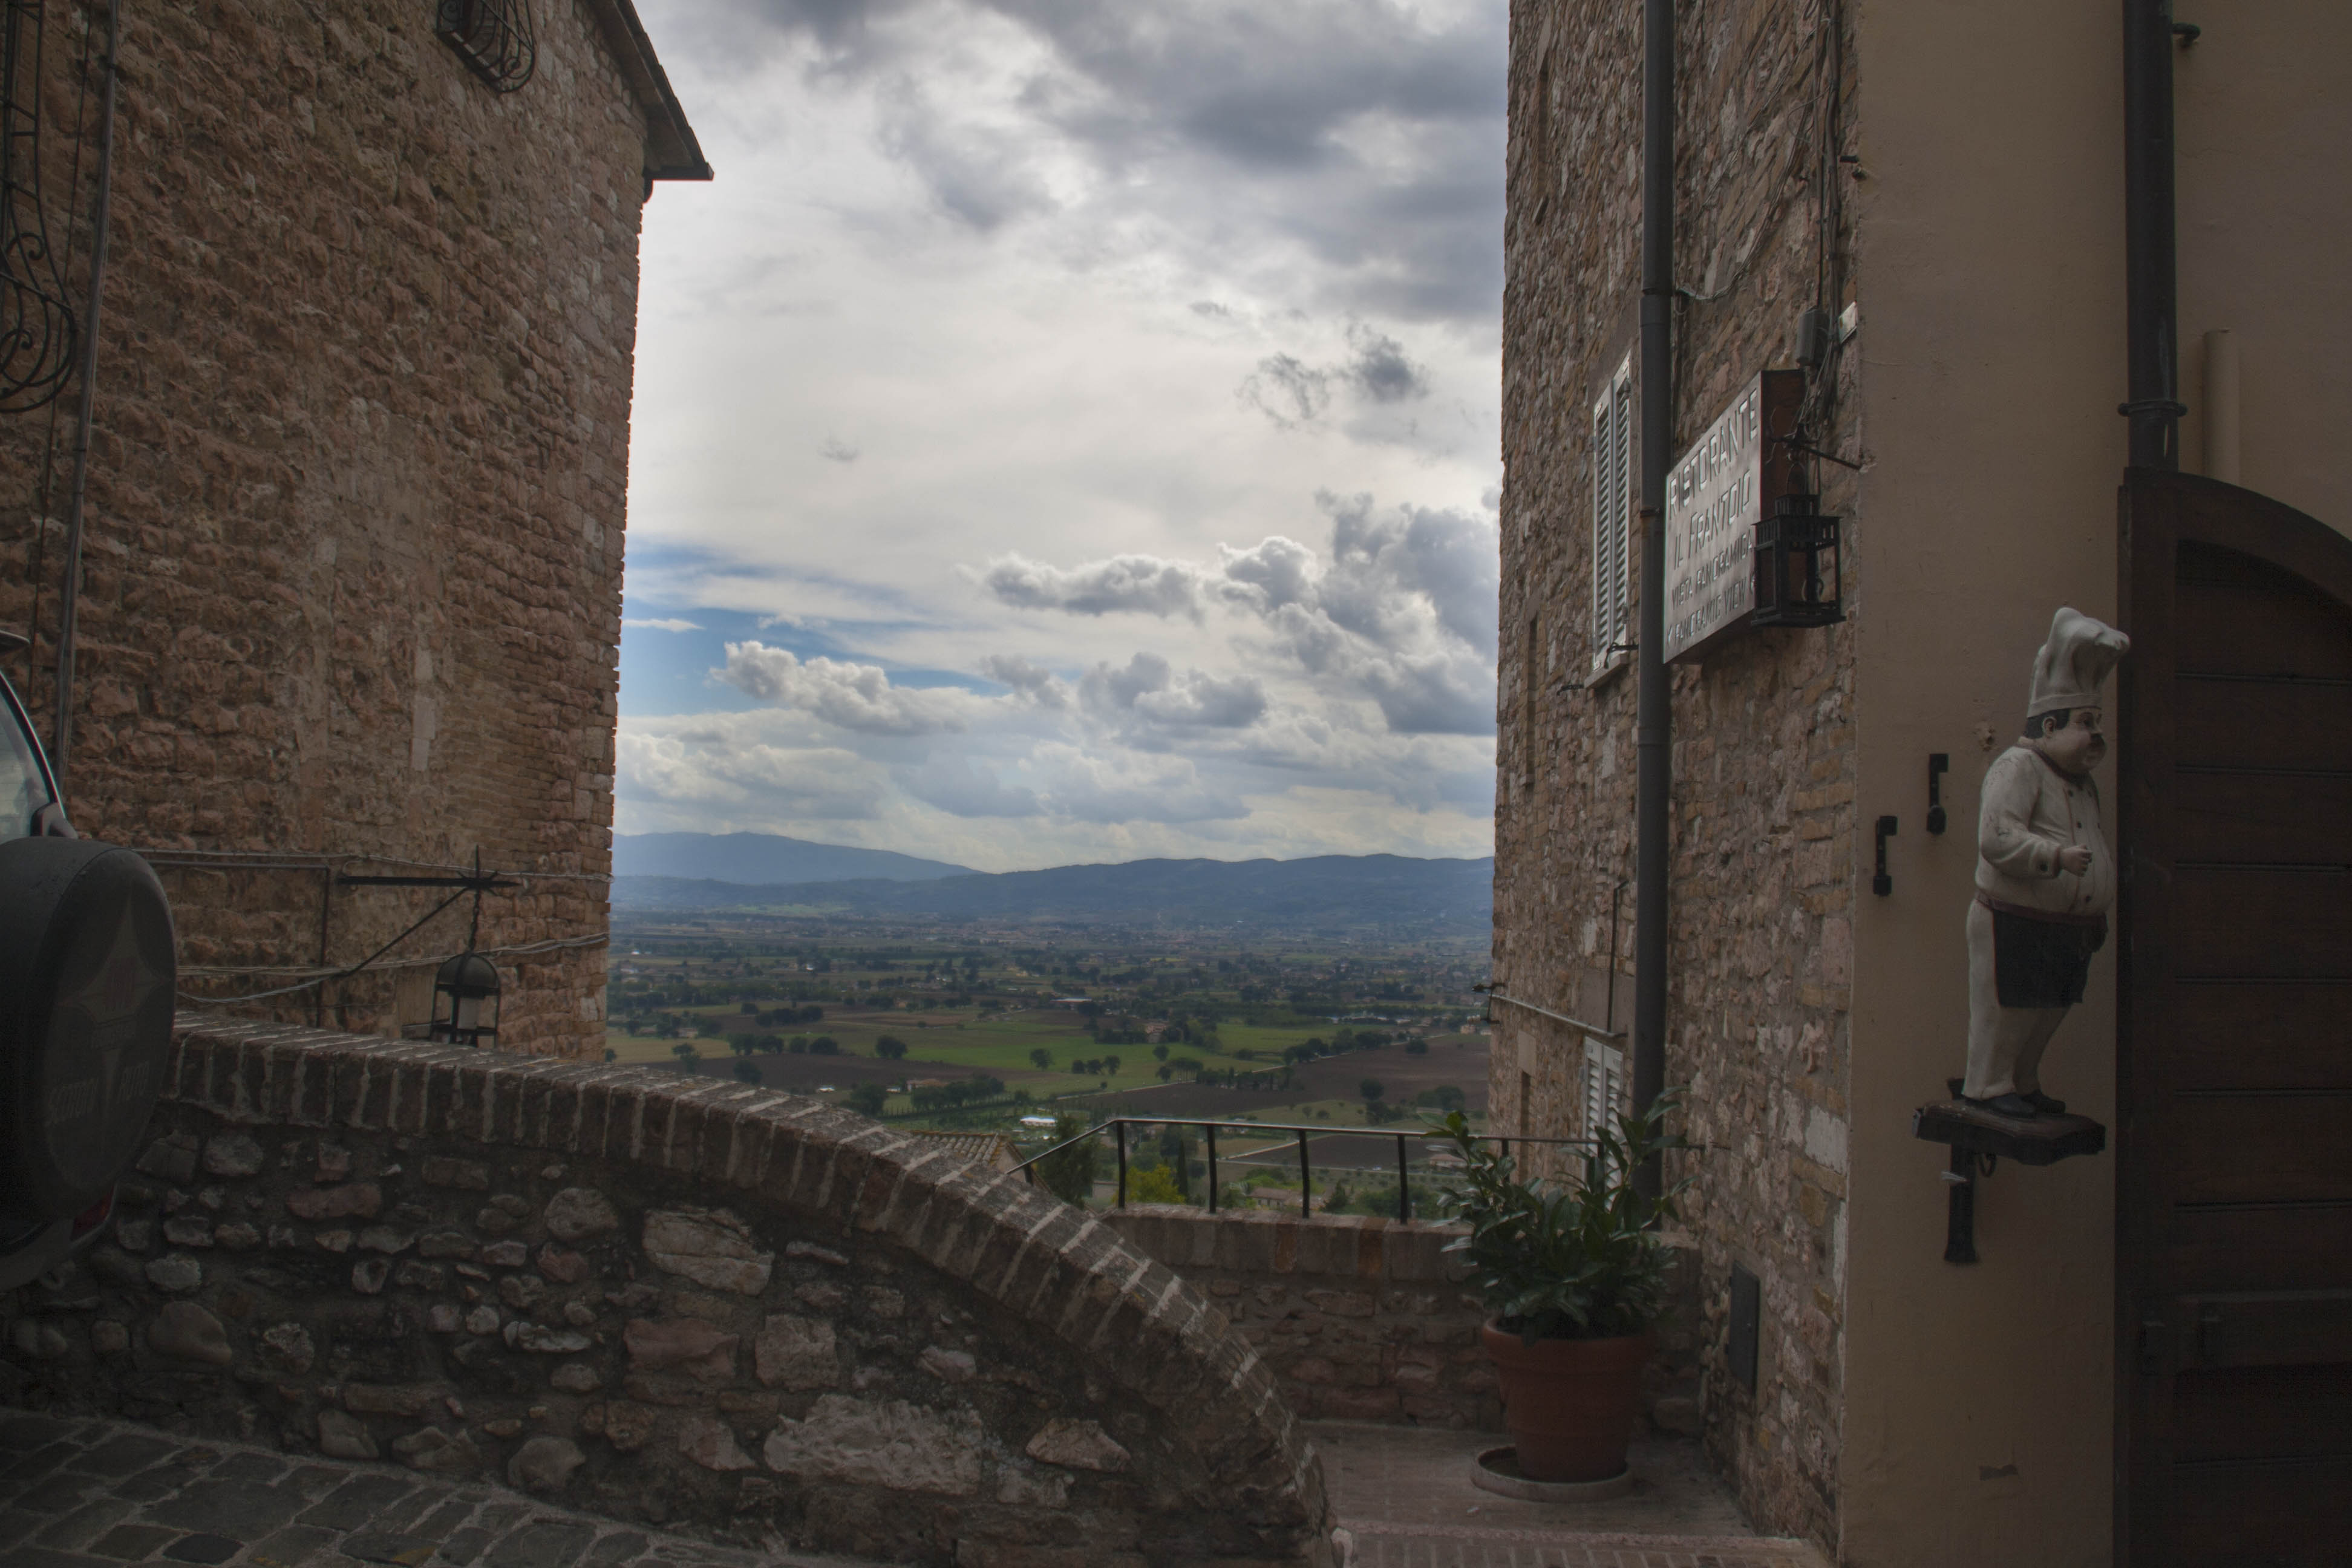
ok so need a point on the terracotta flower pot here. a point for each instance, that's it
(1570, 1403)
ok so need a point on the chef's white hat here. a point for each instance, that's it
(2075, 663)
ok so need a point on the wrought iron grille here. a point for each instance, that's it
(36, 325)
(493, 38)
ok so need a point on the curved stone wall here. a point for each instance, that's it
(693, 1302)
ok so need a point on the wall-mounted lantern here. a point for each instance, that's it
(468, 983)
(1799, 570)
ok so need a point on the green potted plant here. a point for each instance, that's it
(1576, 1276)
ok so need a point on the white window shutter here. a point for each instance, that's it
(1603, 1086)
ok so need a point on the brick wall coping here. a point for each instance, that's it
(1128, 1319)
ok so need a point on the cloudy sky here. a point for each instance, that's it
(1065, 430)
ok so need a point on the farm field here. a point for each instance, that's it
(969, 1005)
(1325, 1090)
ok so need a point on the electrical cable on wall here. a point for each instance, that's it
(77, 498)
(38, 555)
(375, 964)
(328, 860)
(316, 975)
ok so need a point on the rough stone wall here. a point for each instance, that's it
(357, 484)
(1764, 832)
(1362, 1319)
(730, 1310)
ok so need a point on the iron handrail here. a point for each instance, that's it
(1118, 1126)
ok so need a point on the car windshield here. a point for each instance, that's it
(22, 791)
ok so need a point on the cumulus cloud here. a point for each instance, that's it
(1271, 574)
(1147, 689)
(1124, 583)
(1032, 682)
(724, 772)
(1401, 613)
(1030, 249)
(857, 696)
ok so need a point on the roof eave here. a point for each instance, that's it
(671, 151)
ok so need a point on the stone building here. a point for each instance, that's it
(350, 587)
(1945, 185)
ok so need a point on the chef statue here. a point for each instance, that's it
(2045, 876)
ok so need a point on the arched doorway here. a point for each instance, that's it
(2234, 1050)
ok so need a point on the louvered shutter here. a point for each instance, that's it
(1612, 517)
(1604, 1085)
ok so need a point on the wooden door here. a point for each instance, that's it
(2234, 1054)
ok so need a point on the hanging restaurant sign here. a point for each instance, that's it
(1716, 492)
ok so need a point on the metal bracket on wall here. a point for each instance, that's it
(1882, 884)
(1938, 765)
(1495, 993)
(1960, 1212)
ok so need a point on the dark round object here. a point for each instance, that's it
(86, 982)
(467, 974)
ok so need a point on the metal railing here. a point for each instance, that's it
(1118, 1126)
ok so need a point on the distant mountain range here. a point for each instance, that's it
(764, 858)
(1325, 892)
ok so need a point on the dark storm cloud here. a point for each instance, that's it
(1380, 369)
(1232, 120)
(1288, 391)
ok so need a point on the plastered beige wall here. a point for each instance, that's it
(1978, 1400)
(2263, 122)
(1981, 1401)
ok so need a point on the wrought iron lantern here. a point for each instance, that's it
(494, 38)
(1799, 571)
(470, 984)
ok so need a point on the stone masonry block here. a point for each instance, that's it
(1247, 1247)
(1317, 1251)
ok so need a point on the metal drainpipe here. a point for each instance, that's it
(61, 731)
(2154, 408)
(1653, 721)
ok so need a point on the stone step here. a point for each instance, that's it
(1373, 1545)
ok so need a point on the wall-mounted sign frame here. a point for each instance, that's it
(1716, 492)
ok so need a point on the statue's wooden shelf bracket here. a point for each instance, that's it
(1979, 1139)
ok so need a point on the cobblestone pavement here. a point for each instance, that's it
(1404, 1496)
(99, 1494)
